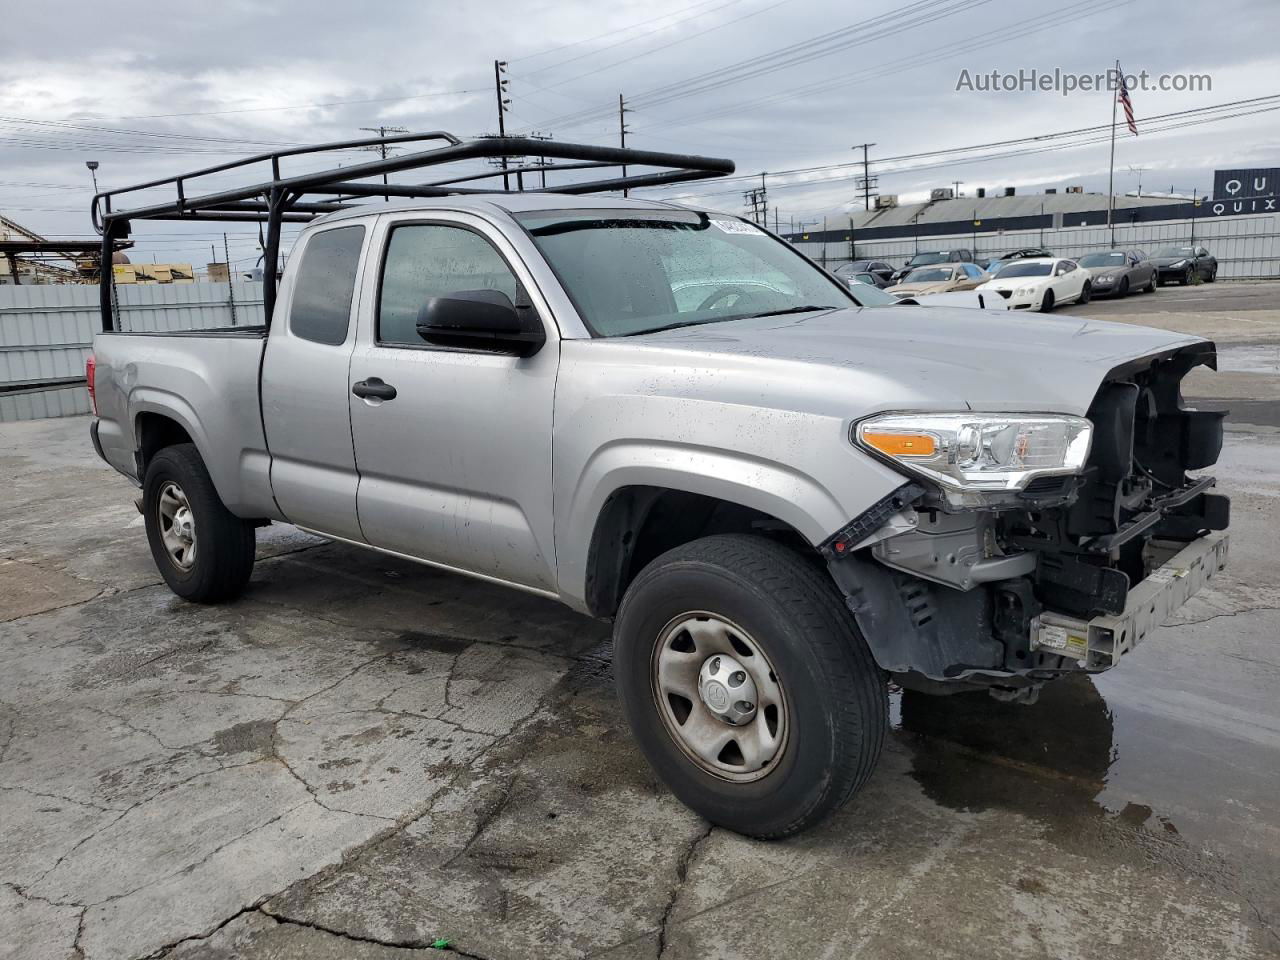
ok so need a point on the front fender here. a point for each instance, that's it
(773, 488)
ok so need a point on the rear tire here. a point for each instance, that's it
(1151, 285)
(1213, 275)
(753, 607)
(204, 552)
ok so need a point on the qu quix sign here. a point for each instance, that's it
(1245, 191)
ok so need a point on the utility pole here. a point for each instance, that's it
(499, 88)
(758, 198)
(542, 160)
(1139, 171)
(866, 174)
(957, 186)
(1111, 175)
(622, 136)
(382, 148)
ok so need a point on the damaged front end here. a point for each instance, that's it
(1028, 547)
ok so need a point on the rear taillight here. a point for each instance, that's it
(90, 368)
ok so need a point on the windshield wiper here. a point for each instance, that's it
(807, 308)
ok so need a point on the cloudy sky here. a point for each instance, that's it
(777, 85)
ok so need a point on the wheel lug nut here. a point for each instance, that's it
(735, 679)
(746, 707)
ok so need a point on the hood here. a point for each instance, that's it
(1096, 272)
(858, 361)
(1013, 283)
(1167, 261)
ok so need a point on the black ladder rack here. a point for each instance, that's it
(280, 199)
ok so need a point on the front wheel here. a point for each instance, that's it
(1046, 305)
(203, 550)
(1085, 293)
(747, 685)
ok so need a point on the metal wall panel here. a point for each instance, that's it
(46, 331)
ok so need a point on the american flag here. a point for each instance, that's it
(1125, 102)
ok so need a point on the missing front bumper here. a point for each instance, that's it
(1098, 644)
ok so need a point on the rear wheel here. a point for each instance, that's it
(203, 551)
(1213, 275)
(1186, 277)
(1046, 305)
(1151, 284)
(747, 685)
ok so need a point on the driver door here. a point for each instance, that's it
(455, 457)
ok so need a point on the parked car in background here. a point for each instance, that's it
(1041, 283)
(1116, 272)
(930, 257)
(879, 272)
(1184, 264)
(942, 278)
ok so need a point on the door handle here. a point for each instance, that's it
(373, 389)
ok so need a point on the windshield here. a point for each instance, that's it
(858, 266)
(923, 258)
(1102, 260)
(1020, 268)
(639, 272)
(928, 275)
(1175, 252)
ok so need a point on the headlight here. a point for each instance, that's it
(1024, 291)
(979, 451)
(1175, 266)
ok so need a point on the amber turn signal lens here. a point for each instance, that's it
(902, 444)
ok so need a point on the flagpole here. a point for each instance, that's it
(1111, 177)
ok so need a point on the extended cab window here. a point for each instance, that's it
(426, 260)
(326, 282)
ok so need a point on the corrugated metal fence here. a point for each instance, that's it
(46, 332)
(1247, 247)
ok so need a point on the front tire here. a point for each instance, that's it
(1046, 304)
(1086, 292)
(204, 551)
(747, 685)
(1124, 288)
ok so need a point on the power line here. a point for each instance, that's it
(921, 58)
(1034, 139)
(906, 18)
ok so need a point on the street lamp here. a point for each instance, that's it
(93, 172)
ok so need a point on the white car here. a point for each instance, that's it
(1041, 283)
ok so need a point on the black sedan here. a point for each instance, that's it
(1184, 264)
(880, 273)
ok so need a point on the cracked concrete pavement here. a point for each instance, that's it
(363, 756)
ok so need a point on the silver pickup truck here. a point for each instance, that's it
(782, 492)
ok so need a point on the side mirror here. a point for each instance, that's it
(481, 320)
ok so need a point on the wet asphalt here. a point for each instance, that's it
(362, 758)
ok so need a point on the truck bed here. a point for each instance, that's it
(205, 382)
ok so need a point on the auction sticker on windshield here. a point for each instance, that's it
(736, 226)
